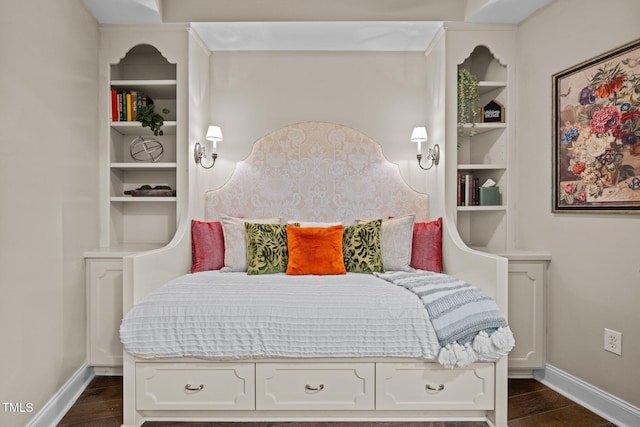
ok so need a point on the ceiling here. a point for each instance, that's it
(333, 25)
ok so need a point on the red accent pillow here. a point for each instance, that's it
(315, 250)
(426, 247)
(207, 246)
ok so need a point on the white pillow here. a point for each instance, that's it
(396, 236)
(235, 240)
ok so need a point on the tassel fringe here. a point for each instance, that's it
(483, 347)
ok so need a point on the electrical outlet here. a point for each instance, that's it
(613, 341)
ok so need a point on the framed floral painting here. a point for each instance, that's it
(596, 114)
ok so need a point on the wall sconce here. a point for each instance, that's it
(419, 135)
(214, 134)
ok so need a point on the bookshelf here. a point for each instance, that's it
(143, 70)
(483, 155)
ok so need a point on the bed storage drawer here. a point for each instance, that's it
(315, 386)
(203, 386)
(430, 386)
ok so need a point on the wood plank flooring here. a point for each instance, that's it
(531, 404)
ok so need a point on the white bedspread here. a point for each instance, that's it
(233, 315)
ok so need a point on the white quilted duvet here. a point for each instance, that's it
(234, 315)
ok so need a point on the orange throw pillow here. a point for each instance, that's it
(314, 250)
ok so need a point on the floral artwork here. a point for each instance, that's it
(597, 133)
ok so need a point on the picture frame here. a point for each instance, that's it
(596, 134)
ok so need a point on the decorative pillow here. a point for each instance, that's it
(315, 250)
(426, 251)
(266, 248)
(396, 235)
(361, 248)
(207, 246)
(235, 242)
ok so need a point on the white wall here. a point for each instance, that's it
(48, 194)
(199, 103)
(594, 277)
(382, 94)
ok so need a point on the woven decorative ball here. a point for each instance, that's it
(146, 149)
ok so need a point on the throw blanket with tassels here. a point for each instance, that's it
(467, 321)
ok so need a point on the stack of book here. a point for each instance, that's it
(468, 190)
(125, 105)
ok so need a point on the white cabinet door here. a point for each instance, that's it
(104, 311)
(526, 314)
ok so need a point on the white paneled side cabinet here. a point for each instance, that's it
(527, 294)
(104, 280)
(104, 313)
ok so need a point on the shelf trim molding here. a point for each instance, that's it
(482, 166)
(163, 82)
(130, 199)
(143, 166)
(477, 208)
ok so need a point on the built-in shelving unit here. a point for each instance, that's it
(149, 60)
(483, 153)
(135, 220)
(489, 53)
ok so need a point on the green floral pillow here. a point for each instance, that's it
(361, 247)
(266, 248)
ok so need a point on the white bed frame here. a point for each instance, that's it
(313, 171)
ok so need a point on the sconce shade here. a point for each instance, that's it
(214, 133)
(419, 134)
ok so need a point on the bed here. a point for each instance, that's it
(326, 305)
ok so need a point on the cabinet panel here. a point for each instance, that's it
(104, 309)
(210, 386)
(526, 314)
(315, 386)
(430, 386)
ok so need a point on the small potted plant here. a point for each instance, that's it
(149, 118)
(468, 100)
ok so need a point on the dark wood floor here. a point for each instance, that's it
(531, 404)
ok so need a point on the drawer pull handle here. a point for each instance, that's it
(189, 387)
(440, 387)
(311, 388)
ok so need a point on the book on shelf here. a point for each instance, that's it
(114, 105)
(125, 105)
(468, 190)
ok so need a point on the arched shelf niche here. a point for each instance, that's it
(485, 65)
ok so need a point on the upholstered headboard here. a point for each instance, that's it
(316, 171)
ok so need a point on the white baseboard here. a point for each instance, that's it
(56, 408)
(598, 401)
